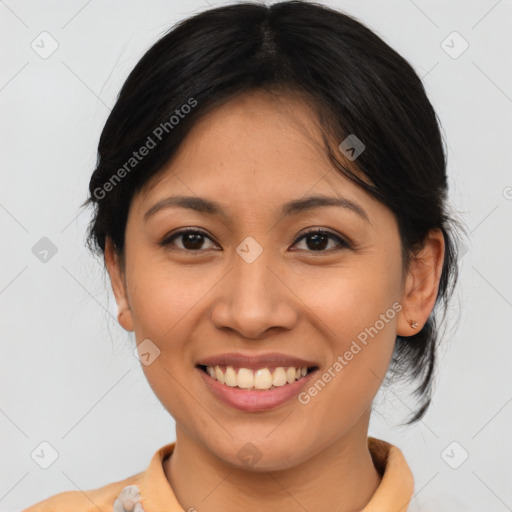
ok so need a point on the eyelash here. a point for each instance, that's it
(343, 243)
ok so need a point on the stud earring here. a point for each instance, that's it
(413, 324)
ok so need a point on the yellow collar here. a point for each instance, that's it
(153, 493)
(393, 494)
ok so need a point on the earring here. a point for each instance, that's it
(413, 324)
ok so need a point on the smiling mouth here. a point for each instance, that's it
(262, 379)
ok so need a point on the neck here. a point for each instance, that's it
(340, 477)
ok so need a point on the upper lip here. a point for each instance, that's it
(260, 361)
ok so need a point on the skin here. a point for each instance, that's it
(251, 155)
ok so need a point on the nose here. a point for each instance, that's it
(254, 299)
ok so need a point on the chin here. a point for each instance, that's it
(251, 454)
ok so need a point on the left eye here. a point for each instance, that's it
(192, 240)
(320, 239)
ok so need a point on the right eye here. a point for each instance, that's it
(192, 239)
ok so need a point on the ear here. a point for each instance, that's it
(422, 284)
(114, 268)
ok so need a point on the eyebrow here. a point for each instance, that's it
(296, 206)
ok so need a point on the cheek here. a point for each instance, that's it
(353, 299)
(167, 303)
(361, 336)
(164, 297)
(357, 314)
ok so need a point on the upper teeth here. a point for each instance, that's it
(261, 378)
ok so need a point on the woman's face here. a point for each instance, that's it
(248, 282)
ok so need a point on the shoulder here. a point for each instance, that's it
(129, 493)
(94, 500)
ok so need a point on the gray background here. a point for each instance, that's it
(68, 375)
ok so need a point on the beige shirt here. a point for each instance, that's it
(149, 491)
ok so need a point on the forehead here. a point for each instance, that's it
(255, 149)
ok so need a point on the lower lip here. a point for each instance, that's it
(255, 401)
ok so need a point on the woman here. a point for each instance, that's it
(271, 205)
